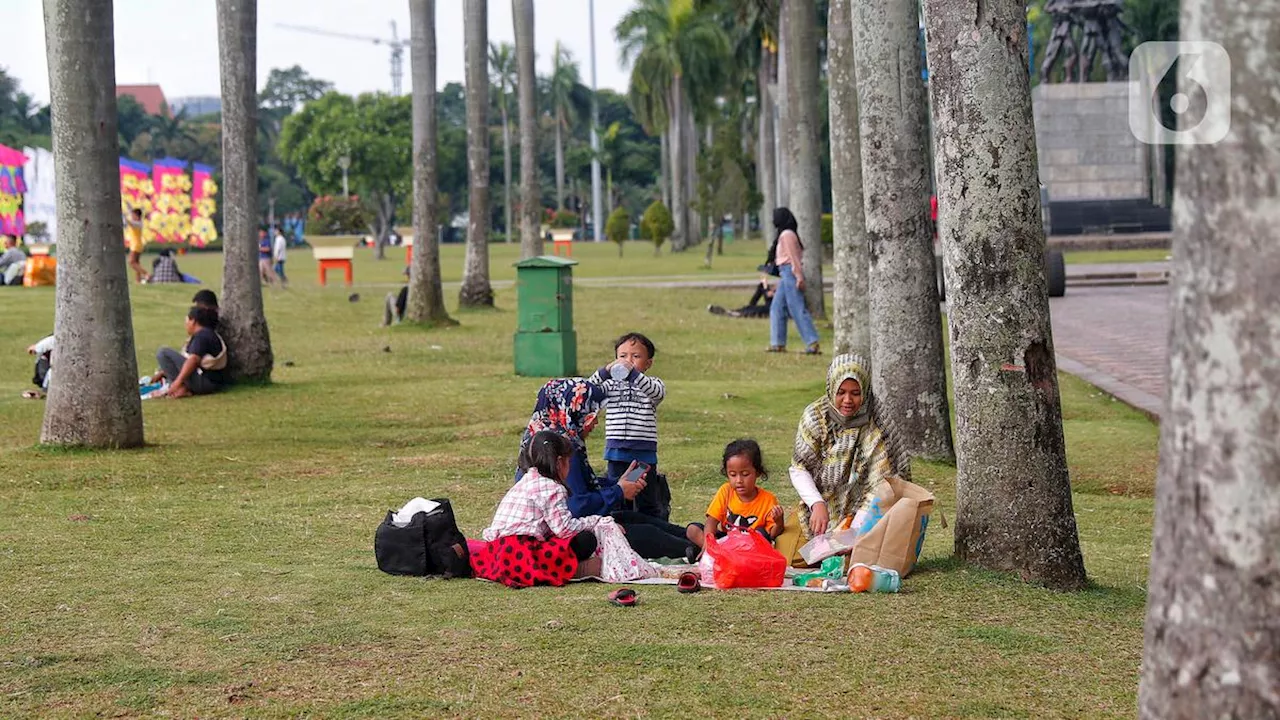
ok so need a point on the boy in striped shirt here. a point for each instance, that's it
(631, 423)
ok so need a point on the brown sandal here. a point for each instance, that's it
(777, 349)
(813, 350)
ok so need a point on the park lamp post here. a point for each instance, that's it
(344, 162)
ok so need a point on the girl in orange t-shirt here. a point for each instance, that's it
(739, 503)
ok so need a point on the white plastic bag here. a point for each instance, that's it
(832, 542)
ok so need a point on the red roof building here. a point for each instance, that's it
(150, 97)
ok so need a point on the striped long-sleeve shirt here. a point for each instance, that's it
(631, 418)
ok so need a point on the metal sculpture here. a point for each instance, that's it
(1100, 30)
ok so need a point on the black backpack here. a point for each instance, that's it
(430, 544)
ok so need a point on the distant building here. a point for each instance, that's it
(150, 97)
(196, 105)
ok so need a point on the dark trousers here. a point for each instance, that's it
(652, 537)
(171, 362)
(652, 500)
(584, 545)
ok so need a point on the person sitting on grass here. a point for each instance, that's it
(570, 407)
(752, 309)
(205, 299)
(534, 539)
(200, 368)
(393, 307)
(12, 262)
(43, 351)
(740, 503)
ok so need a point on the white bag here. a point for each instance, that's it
(618, 562)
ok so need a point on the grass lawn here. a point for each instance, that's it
(1089, 257)
(227, 568)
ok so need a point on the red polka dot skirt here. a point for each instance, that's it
(521, 561)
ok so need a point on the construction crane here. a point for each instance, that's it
(395, 43)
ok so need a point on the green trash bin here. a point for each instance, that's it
(545, 342)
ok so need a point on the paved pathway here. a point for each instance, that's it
(1117, 339)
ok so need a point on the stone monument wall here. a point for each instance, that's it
(1085, 147)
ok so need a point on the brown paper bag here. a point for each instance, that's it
(896, 539)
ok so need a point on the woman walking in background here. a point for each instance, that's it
(788, 300)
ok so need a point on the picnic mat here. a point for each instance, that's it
(669, 574)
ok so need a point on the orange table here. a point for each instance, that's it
(562, 239)
(335, 258)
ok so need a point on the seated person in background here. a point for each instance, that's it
(164, 269)
(205, 298)
(393, 310)
(200, 369)
(752, 309)
(12, 262)
(43, 351)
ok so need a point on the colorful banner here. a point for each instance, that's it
(204, 202)
(40, 204)
(136, 192)
(170, 217)
(12, 187)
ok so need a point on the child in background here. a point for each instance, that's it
(534, 539)
(631, 422)
(739, 503)
(133, 236)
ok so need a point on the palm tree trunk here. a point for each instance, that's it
(783, 126)
(766, 159)
(93, 397)
(526, 89)
(426, 293)
(806, 170)
(475, 290)
(506, 168)
(559, 160)
(1211, 646)
(693, 221)
(665, 180)
(907, 365)
(852, 314)
(1013, 495)
(241, 323)
(679, 199)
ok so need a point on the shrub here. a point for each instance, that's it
(656, 224)
(618, 226)
(564, 219)
(330, 215)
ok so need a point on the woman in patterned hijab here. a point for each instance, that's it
(842, 453)
(568, 406)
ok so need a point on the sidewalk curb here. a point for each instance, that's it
(1140, 400)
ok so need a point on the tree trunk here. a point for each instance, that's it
(526, 89)
(1013, 496)
(782, 125)
(241, 321)
(559, 159)
(476, 291)
(506, 169)
(806, 170)
(1212, 648)
(679, 196)
(766, 159)
(907, 367)
(93, 396)
(693, 221)
(849, 229)
(426, 292)
(665, 180)
(709, 217)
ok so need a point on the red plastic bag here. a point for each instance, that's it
(745, 560)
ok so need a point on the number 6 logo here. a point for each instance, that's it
(1199, 110)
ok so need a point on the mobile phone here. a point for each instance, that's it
(637, 473)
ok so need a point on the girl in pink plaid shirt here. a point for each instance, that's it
(534, 539)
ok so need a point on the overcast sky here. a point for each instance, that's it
(174, 43)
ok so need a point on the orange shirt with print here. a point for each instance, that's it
(732, 511)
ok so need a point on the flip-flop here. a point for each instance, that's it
(689, 583)
(623, 597)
